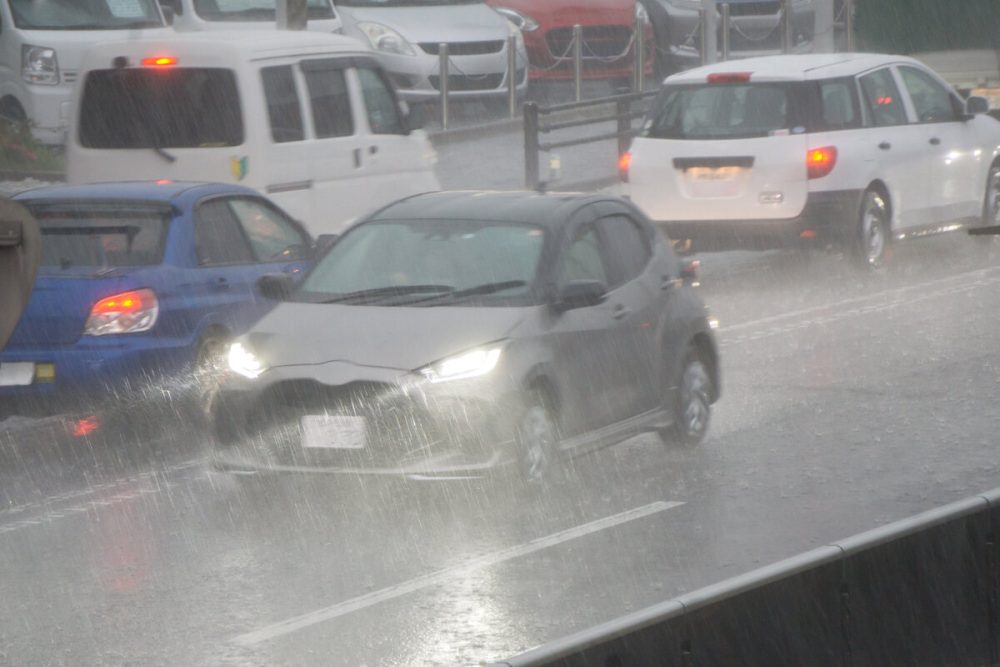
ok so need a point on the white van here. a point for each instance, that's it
(41, 43)
(189, 15)
(309, 119)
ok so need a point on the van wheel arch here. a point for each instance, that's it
(11, 110)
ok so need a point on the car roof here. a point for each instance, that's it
(165, 191)
(804, 67)
(548, 209)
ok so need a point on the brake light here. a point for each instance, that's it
(128, 312)
(159, 61)
(821, 161)
(624, 162)
(728, 77)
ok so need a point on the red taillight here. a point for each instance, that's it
(624, 162)
(128, 312)
(728, 77)
(159, 61)
(81, 428)
(821, 161)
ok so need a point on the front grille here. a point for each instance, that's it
(598, 42)
(754, 8)
(462, 82)
(464, 48)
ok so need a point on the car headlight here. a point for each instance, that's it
(641, 15)
(469, 364)
(244, 362)
(385, 39)
(39, 65)
(521, 21)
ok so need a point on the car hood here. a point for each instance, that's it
(443, 23)
(555, 13)
(396, 338)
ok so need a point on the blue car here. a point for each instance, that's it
(139, 284)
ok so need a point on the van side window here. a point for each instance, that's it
(380, 103)
(283, 108)
(883, 99)
(932, 101)
(218, 238)
(331, 102)
(839, 111)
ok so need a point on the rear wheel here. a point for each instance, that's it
(989, 243)
(692, 402)
(872, 234)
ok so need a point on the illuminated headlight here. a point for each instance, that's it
(39, 65)
(385, 39)
(244, 362)
(641, 15)
(522, 22)
(473, 363)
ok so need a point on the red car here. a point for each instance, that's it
(608, 47)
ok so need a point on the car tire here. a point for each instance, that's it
(208, 366)
(989, 243)
(692, 402)
(872, 234)
(537, 439)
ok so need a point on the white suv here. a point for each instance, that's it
(856, 149)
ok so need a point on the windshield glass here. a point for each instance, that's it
(721, 111)
(98, 236)
(446, 258)
(85, 14)
(160, 108)
(255, 10)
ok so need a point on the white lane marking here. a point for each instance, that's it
(444, 576)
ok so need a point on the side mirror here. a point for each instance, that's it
(975, 105)
(413, 117)
(276, 286)
(580, 294)
(324, 241)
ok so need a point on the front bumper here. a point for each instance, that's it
(418, 77)
(828, 217)
(410, 428)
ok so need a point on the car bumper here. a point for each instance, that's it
(462, 428)
(828, 217)
(418, 78)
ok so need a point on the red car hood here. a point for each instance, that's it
(556, 13)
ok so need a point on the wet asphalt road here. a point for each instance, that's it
(848, 402)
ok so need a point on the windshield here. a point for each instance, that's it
(156, 108)
(85, 14)
(722, 111)
(255, 10)
(99, 236)
(396, 263)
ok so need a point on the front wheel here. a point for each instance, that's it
(692, 407)
(537, 443)
(872, 234)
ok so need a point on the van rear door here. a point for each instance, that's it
(726, 149)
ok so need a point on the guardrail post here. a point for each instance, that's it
(624, 109)
(786, 26)
(577, 60)
(638, 37)
(443, 82)
(724, 8)
(512, 75)
(531, 145)
(849, 24)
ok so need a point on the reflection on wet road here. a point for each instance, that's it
(848, 402)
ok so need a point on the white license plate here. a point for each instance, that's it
(334, 432)
(714, 174)
(16, 373)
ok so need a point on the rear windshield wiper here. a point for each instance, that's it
(388, 291)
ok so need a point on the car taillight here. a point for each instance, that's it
(821, 161)
(624, 162)
(728, 77)
(128, 312)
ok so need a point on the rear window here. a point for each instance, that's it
(724, 111)
(160, 108)
(108, 236)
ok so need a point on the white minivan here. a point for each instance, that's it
(188, 15)
(309, 119)
(41, 43)
(855, 149)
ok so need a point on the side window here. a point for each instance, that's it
(932, 101)
(283, 109)
(272, 236)
(330, 101)
(380, 103)
(839, 112)
(218, 237)
(628, 248)
(883, 99)
(582, 259)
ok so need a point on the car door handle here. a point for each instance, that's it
(372, 150)
(620, 311)
(935, 141)
(357, 158)
(885, 145)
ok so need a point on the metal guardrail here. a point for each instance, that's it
(921, 591)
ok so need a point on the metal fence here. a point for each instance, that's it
(921, 591)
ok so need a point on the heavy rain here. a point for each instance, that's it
(435, 332)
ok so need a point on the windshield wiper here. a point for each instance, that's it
(389, 291)
(163, 153)
(479, 290)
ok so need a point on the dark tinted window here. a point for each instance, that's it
(883, 99)
(272, 236)
(163, 107)
(582, 260)
(932, 101)
(218, 237)
(380, 103)
(283, 109)
(330, 101)
(627, 248)
(838, 109)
